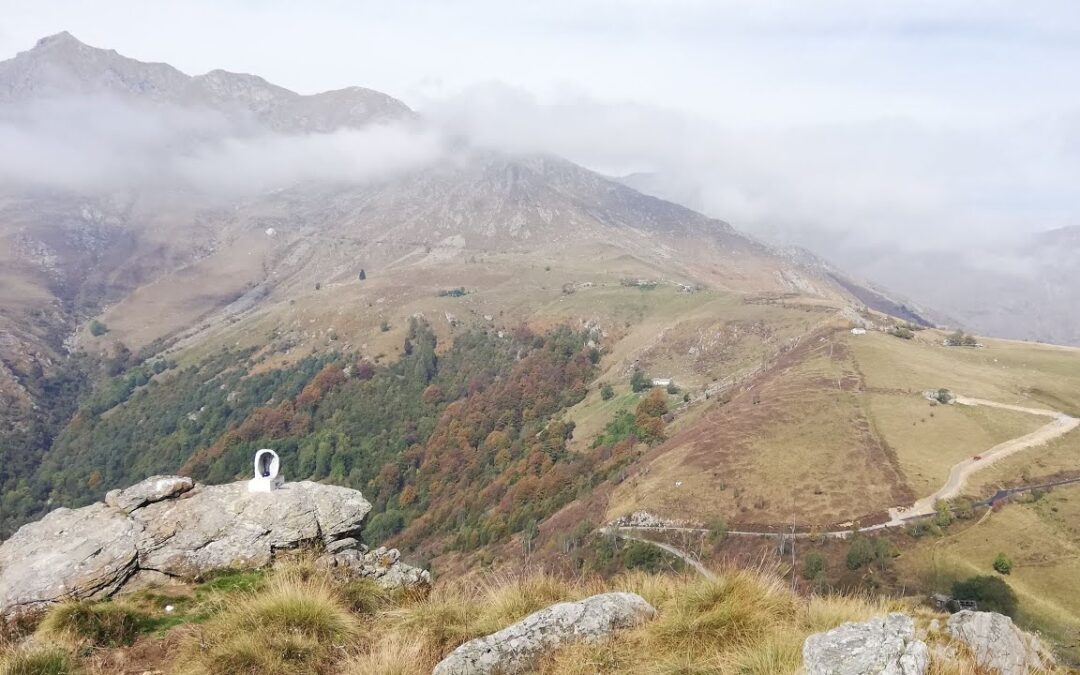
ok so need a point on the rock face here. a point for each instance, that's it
(513, 649)
(151, 490)
(997, 644)
(170, 527)
(880, 646)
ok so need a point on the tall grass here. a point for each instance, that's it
(289, 626)
(104, 624)
(38, 659)
(301, 620)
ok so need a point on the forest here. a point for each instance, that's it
(455, 448)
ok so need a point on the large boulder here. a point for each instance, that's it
(880, 646)
(997, 644)
(70, 553)
(221, 526)
(168, 527)
(514, 649)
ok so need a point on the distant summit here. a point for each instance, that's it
(61, 66)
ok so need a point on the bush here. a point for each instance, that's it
(860, 552)
(717, 530)
(607, 392)
(942, 516)
(639, 381)
(104, 624)
(902, 332)
(992, 593)
(813, 566)
(672, 389)
(97, 329)
(637, 555)
(1002, 564)
(384, 525)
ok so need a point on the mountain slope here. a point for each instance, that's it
(62, 66)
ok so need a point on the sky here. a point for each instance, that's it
(915, 124)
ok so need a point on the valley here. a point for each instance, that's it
(509, 355)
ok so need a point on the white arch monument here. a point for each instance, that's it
(266, 477)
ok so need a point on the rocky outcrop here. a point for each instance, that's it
(997, 644)
(515, 648)
(170, 527)
(151, 490)
(383, 565)
(880, 646)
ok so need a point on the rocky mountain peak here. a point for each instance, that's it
(62, 66)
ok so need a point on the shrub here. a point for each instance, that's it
(637, 555)
(884, 552)
(672, 389)
(639, 381)
(902, 332)
(1002, 564)
(717, 530)
(103, 624)
(992, 593)
(607, 392)
(860, 552)
(97, 329)
(384, 525)
(942, 515)
(813, 565)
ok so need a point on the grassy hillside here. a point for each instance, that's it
(1042, 539)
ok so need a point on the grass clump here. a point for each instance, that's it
(48, 659)
(103, 624)
(290, 626)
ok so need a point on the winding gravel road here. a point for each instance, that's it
(963, 470)
(959, 474)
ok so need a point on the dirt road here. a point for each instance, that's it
(960, 472)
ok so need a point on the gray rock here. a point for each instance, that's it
(880, 646)
(515, 648)
(343, 545)
(68, 554)
(153, 489)
(222, 526)
(166, 527)
(997, 644)
(383, 565)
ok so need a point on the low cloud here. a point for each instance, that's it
(98, 144)
(889, 182)
(857, 186)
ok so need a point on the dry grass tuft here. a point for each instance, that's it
(37, 659)
(736, 608)
(393, 654)
(102, 624)
(294, 625)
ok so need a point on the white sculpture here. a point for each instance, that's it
(266, 472)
